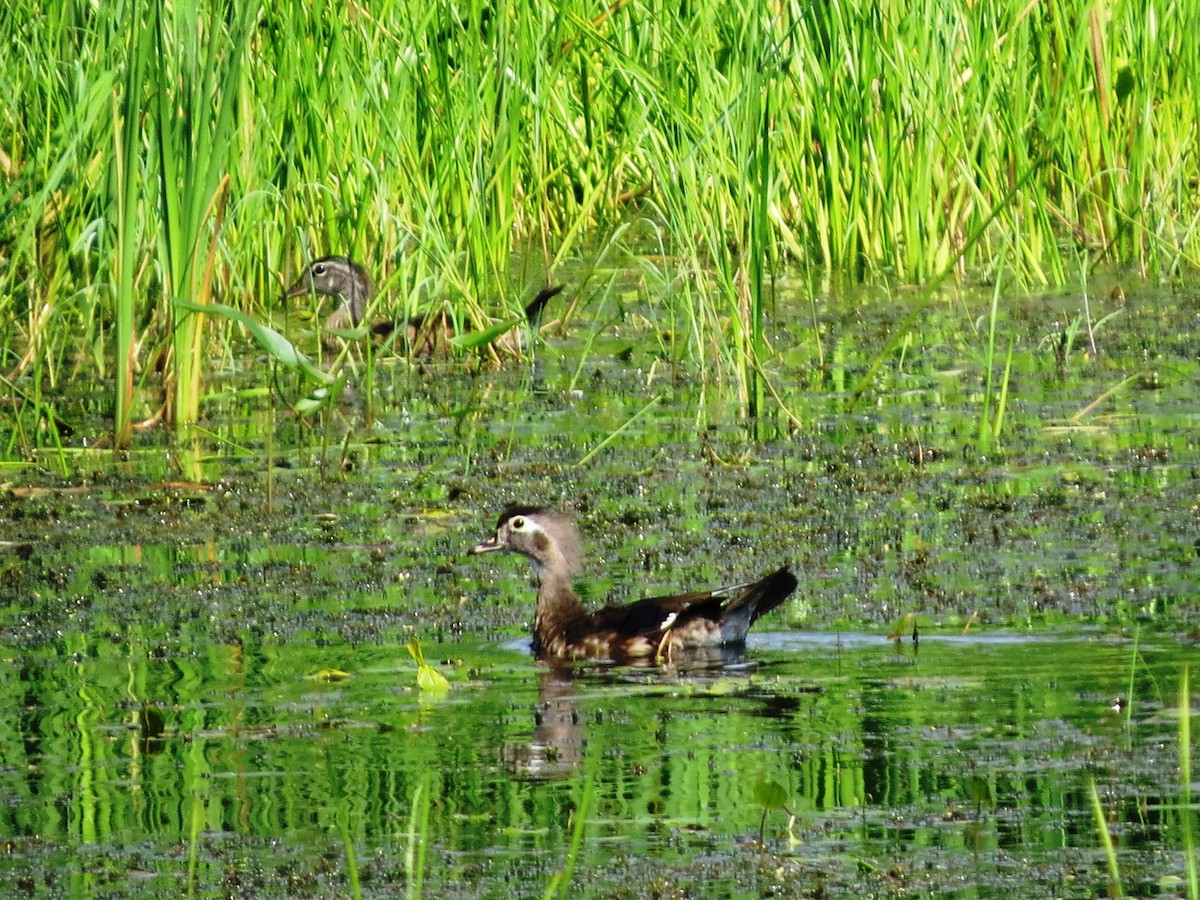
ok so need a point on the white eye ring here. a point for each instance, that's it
(518, 523)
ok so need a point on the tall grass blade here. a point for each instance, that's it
(418, 840)
(560, 882)
(985, 422)
(587, 457)
(343, 819)
(1110, 853)
(1133, 660)
(758, 250)
(1002, 400)
(125, 178)
(196, 827)
(1187, 811)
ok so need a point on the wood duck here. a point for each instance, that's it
(648, 630)
(423, 335)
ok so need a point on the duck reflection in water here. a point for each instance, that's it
(555, 749)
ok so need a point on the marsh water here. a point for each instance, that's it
(207, 686)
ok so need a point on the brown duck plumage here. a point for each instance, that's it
(655, 628)
(423, 335)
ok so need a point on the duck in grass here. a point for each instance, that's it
(657, 629)
(423, 335)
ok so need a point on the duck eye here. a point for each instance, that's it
(518, 523)
(319, 269)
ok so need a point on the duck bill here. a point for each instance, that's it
(491, 544)
(302, 287)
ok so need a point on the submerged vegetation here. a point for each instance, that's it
(157, 156)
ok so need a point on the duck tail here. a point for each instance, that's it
(533, 312)
(755, 600)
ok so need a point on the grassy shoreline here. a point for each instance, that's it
(203, 152)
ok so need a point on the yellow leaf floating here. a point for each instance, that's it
(429, 679)
(331, 675)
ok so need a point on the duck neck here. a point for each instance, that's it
(557, 604)
(357, 296)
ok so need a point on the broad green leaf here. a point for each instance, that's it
(280, 348)
(429, 679)
(770, 794)
(360, 333)
(475, 339)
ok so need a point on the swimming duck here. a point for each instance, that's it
(423, 335)
(649, 630)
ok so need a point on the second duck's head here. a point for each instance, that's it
(336, 276)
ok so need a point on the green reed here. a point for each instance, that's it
(560, 882)
(1187, 812)
(995, 396)
(1106, 842)
(197, 84)
(418, 837)
(466, 151)
(124, 184)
